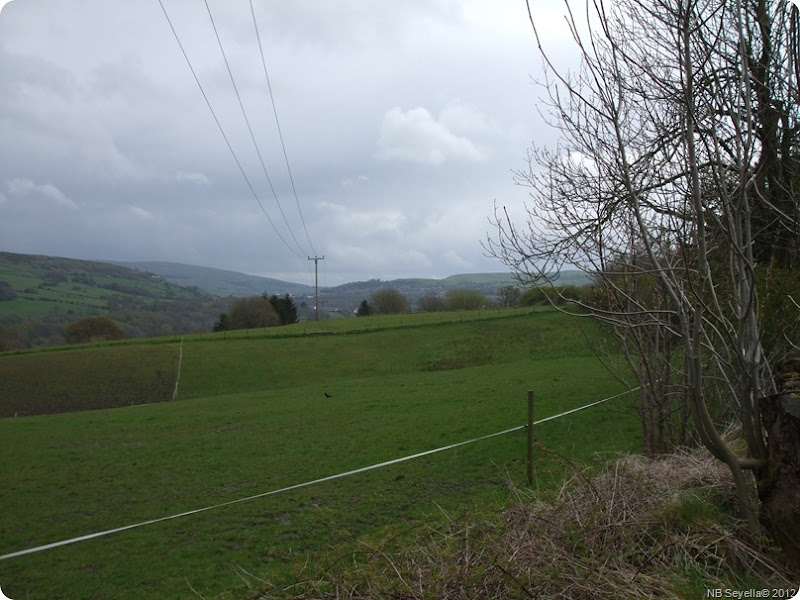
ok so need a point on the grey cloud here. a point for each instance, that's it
(415, 135)
(32, 72)
(195, 178)
(26, 189)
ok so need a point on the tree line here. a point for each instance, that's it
(273, 310)
(392, 301)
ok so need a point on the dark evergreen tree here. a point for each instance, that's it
(364, 309)
(222, 323)
(285, 307)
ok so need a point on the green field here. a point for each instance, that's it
(251, 416)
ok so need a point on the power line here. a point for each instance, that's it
(278, 124)
(247, 122)
(222, 131)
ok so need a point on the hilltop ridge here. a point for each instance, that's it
(344, 297)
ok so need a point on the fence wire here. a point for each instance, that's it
(296, 486)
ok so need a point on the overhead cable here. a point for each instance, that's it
(249, 127)
(222, 131)
(278, 125)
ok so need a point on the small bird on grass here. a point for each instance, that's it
(327, 395)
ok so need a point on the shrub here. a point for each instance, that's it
(6, 291)
(388, 301)
(464, 299)
(91, 329)
(509, 296)
(431, 303)
(255, 311)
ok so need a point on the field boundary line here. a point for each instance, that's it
(574, 410)
(178, 378)
(296, 486)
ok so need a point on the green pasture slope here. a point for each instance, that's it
(51, 285)
(252, 416)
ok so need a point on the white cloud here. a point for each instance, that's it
(416, 136)
(460, 118)
(141, 213)
(364, 223)
(196, 178)
(22, 188)
(350, 181)
(399, 262)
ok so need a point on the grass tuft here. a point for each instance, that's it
(639, 529)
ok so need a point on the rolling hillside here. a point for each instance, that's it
(40, 295)
(220, 282)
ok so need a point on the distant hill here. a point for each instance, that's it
(346, 297)
(41, 295)
(343, 298)
(220, 282)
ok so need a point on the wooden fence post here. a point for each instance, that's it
(530, 437)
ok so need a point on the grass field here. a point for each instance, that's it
(251, 416)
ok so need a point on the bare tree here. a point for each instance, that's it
(674, 186)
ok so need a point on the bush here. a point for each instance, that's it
(252, 312)
(388, 301)
(537, 296)
(431, 303)
(6, 291)
(464, 299)
(92, 329)
(509, 296)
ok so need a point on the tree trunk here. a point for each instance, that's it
(779, 483)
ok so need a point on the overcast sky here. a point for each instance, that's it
(402, 121)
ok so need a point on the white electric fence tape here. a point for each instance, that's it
(395, 461)
(178, 377)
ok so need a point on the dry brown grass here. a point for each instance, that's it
(643, 528)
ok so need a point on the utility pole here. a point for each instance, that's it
(316, 260)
